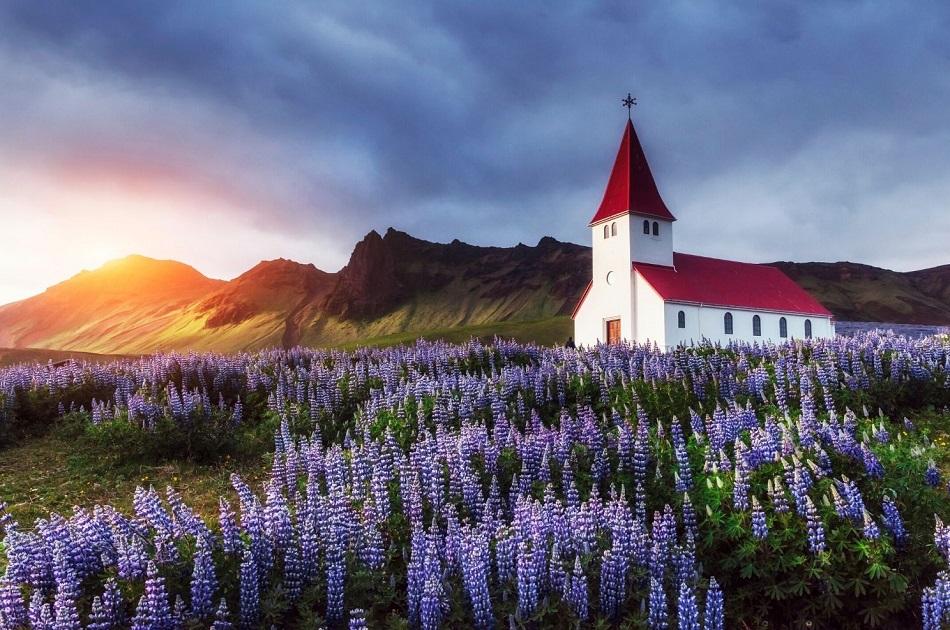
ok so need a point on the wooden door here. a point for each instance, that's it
(613, 331)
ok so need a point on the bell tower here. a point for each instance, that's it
(632, 224)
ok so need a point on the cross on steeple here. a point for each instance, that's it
(629, 102)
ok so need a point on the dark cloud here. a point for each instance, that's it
(776, 130)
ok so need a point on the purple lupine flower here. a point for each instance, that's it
(153, 611)
(230, 535)
(221, 617)
(65, 608)
(578, 596)
(689, 516)
(371, 541)
(293, 572)
(430, 605)
(336, 575)
(41, 613)
(871, 530)
(475, 559)
(528, 579)
(893, 521)
(415, 571)
(740, 486)
(113, 607)
(6, 519)
(777, 495)
(612, 585)
(801, 482)
(657, 619)
(358, 619)
(12, 609)
(641, 450)
(713, 617)
(277, 521)
(931, 613)
(204, 582)
(98, 618)
(684, 474)
(872, 465)
(687, 614)
(250, 590)
(132, 558)
(759, 528)
(816, 531)
(932, 475)
(942, 538)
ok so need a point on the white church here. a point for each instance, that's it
(643, 291)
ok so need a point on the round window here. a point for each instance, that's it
(610, 277)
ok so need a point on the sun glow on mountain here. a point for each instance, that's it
(58, 223)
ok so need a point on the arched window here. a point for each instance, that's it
(646, 227)
(807, 329)
(613, 229)
(782, 327)
(727, 323)
(681, 319)
(606, 230)
(756, 326)
(656, 229)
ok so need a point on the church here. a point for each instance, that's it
(642, 291)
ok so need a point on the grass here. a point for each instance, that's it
(546, 332)
(54, 472)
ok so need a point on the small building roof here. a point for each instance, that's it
(631, 188)
(726, 283)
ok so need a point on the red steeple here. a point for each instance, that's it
(631, 187)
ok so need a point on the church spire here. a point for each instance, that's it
(631, 188)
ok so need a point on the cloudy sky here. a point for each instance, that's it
(223, 133)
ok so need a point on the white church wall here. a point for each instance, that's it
(607, 299)
(708, 322)
(649, 312)
(657, 250)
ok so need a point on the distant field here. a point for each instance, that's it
(546, 332)
(10, 356)
(910, 330)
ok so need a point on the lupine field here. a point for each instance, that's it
(502, 485)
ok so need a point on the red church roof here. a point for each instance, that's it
(631, 187)
(726, 283)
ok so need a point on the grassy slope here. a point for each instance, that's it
(855, 292)
(551, 331)
(48, 474)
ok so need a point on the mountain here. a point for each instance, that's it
(394, 287)
(105, 309)
(855, 292)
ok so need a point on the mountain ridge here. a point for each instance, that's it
(393, 285)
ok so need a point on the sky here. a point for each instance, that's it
(223, 133)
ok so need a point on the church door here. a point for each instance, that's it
(613, 331)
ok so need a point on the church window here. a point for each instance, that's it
(727, 323)
(646, 227)
(756, 326)
(681, 319)
(807, 329)
(782, 327)
(656, 229)
(613, 229)
(606, 230)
